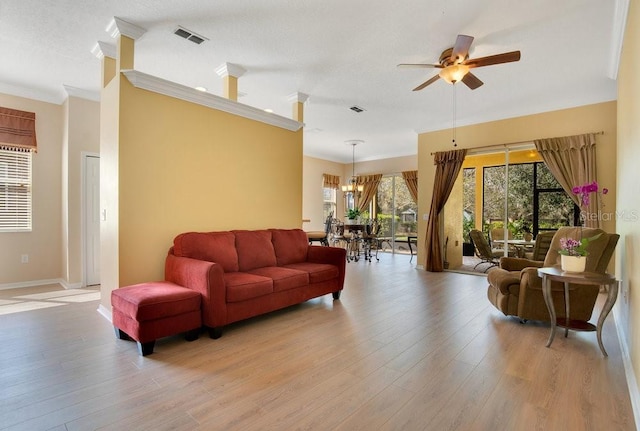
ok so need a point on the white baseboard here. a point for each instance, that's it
(68, 285)
(33, 283)
(632, 382)
(105, 312)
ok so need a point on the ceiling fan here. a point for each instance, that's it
(455, 64)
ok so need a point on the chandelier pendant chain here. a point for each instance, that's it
(454, 117)
(353, 164)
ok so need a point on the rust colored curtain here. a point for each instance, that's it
(572, 161)
(370, 183)
(448, 165)
(411, 180)
(330, 181)
(17, 130)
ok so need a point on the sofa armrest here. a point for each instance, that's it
(518, 263)
(204, 277)
(332, 255)
(507, 282)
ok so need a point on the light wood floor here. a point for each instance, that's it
(403, 349)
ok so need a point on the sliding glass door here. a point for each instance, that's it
(510, 196)
(397, 214)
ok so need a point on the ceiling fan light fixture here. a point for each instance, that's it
(454, 73)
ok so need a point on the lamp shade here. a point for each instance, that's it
(454, 73)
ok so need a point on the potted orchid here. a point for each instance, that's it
(573, 253)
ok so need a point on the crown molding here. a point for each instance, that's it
(179, 91)
(297, 97)
(118, 26)
(230, 69)
(617, 36)
(104, 49)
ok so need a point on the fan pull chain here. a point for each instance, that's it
(454, 116)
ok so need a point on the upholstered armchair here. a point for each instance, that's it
(516, 290)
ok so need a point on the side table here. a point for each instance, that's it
(555, 273)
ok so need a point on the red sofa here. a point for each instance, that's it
(245, 273)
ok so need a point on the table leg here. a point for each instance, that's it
(548, 299)
(612, 295)
(566, 309)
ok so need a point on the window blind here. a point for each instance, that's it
(17, 130)
(15, 191)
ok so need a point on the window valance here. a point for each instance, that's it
(330, 181)
(17, 130)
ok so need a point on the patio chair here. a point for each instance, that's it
(484, 251)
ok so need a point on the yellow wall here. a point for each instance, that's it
(628, 217)
(187, 167)
(43, 243)
(170, 166)
(573, 121)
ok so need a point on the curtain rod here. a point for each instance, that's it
(513, 144)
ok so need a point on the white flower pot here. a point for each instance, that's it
(573, 263)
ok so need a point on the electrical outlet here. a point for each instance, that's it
(24, 258)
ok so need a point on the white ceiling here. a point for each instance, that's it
(340, 53)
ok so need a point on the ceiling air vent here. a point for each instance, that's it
(189, 35)
(357, 109)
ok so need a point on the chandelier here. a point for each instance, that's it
(353, 185)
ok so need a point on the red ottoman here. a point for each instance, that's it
(148, 311)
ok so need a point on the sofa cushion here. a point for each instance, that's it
(290, 245)
(255, 249)
(242, 286)
(283, 278)
(218, 247)
(318, 272)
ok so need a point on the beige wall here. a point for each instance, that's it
(43, 243)
(384, 166)
(585, 119)
(628, 216)
(81, 135)
(312, 198)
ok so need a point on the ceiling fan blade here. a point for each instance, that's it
(429, 82)
(472, 81)
(506, 57)
(420, 65)
(461, 48)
